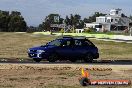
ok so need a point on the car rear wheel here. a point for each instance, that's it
(37, 60)
(53, 58)
(88, 58)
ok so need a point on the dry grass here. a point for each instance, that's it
(15, 45)
(113, 50)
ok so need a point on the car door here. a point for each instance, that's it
(78, 48)
(66, 50)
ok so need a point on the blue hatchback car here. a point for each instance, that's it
(65, 48)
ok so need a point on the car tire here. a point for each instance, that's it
(36, 60)
(53, 58)
(88, 58)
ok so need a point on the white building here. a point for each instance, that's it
(115, 21)
(79, 30)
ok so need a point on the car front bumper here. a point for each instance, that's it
(38, 55)
(35, 55)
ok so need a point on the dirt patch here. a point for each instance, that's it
(56, 76)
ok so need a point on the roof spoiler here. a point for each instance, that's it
(71, 37)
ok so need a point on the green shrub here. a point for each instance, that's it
(62, 30)
(89, 30)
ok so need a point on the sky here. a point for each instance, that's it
(34, 11)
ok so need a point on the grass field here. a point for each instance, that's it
(15, 46)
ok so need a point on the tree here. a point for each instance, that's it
(31, 29)
(80, 25)
(71, 20)
(74, 20)
(53, 18)
(17, 23)
(67, 20)
(15, 13)
(61, 21)
(86, 20)
(123, 15)
(13, 22)
(50, 19)
(4, 19)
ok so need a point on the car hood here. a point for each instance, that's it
(42, 47)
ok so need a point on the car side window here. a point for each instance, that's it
(55, 43)
(67, 43)
(78, 43)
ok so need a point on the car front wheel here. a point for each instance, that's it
(37, 60)
(53, 58)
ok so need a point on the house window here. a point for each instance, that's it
(108, 20)
(116, 20)
(111, 20)
(116, 12)
(98, 26)
(101, 20)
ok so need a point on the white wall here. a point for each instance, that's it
(79, 30)
(101, 19)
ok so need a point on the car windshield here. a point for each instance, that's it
(55, 43)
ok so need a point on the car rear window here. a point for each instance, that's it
(87, 42)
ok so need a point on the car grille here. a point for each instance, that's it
(32, 55)
(33, 51)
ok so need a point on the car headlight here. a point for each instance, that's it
(28, 50)
(40, 51)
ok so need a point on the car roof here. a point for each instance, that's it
(73, 37)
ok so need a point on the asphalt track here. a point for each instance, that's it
(95, 62)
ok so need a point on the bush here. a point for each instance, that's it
(62, 30)
(89, 30)
(72, 30)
